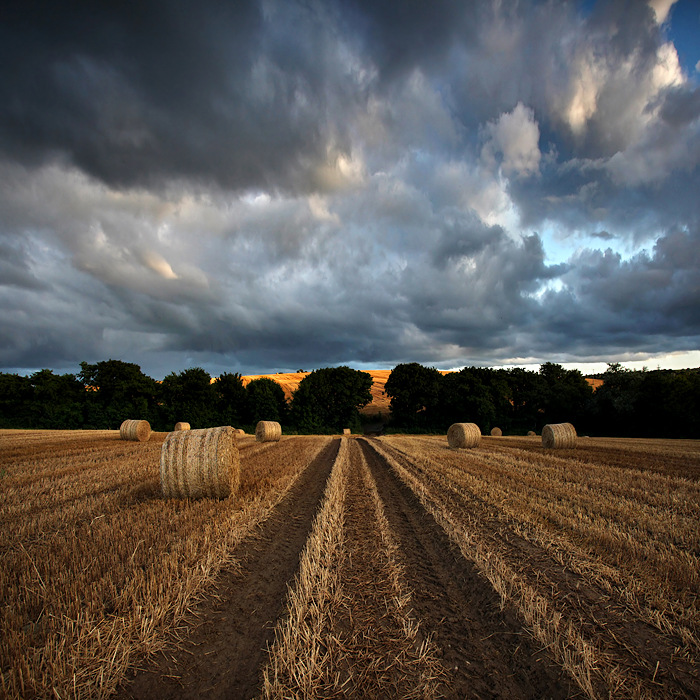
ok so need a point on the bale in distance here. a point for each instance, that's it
(531, 433)
(268, 431)
(135, 430)
(463, 435)
(200, 463)
(346, 431)
(496, 432)
(239, 432)
(182, 426)
(559, 436)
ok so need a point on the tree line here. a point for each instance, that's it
(629, 403)
(104, 394)
(634, 403)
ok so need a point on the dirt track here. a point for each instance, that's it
(484, 650)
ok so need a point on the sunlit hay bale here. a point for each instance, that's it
(346, 431)
(531, 433)
(136, 430)
(181, 426)
(463, 435)
(268, 431)
(496, 432)
(239, 432)
(200, 463)
(559, 435)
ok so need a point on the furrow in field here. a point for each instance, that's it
(349, 631)
(634, 534)
(484, 648)
(592, 629)
(222, 656)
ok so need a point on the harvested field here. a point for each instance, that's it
(352, 567)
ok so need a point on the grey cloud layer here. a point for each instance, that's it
(269, 185)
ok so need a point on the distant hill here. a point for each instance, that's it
(289, 381)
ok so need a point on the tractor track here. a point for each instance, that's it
(485, 649)
(223, 655)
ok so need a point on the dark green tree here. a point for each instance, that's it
(615, 403)
(328, 400)
(668, 404)
(265, 400)
(231, 399)
(414, 391)
(190, 396)
(475, 395)
(15, 401)
(118, 391)
(525, 395)
(57, 401)
(566, 397)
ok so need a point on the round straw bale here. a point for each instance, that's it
(200, 463)
(559, 435)
(181, 426)
(463, 435)
(136, 430)
(496, 432)
(346, 431)
(268, 431)
(531, 433)
(239, 432)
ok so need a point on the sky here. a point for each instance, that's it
(275, 185)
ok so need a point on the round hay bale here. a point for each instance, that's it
(268, 431)
(346, 431)
(559, 435)
(239, 432)
(531, 433)
(496, 432)
(136, 430)
(200, 463)
(463, 435)
(181, 426)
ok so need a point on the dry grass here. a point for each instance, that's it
(91, 579)
(612, 579)
(349, 631)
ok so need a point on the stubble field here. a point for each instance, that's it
(351, 567)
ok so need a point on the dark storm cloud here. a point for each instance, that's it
(681, 106)
(610, 304)
(403, 35)
(15, 269)
(134, 94)
(271, 185)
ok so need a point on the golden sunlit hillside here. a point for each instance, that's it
(289, 381)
